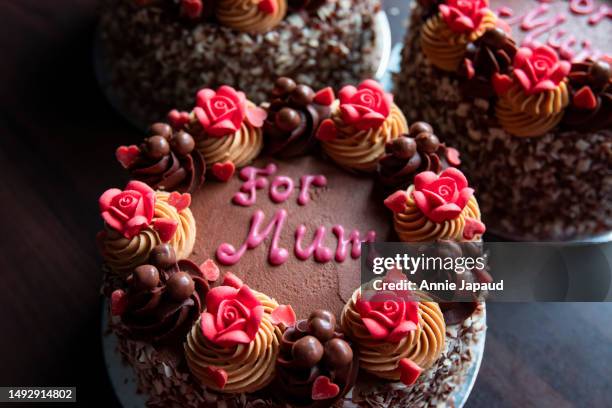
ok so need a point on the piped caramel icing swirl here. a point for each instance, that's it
(412, 225)
(531, 115)
(184, 237)
(423, 345)
(249, 367)
(445, 48)
(361, 149)
(247, 16)
(240, 148)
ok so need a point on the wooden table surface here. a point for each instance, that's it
(57, 138)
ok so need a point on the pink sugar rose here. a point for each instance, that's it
(539, 69)
(463, 16)
(365, 107)
(388, 316)
(220, 113)
(442, 197)
(128, 211)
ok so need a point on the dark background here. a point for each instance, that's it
(57, 138)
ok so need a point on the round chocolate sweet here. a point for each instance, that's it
(420, 127)
(180, 286)
(182, 143)
(145, 277)
(163, 256)
(307, 351)
(302, 95)
(284, 85)
(338, 353)
(323, 314)
(404, 147)
(600, 73)
(287, 119)
(156, 147)
(321, 328)
(161, 129)
(427, 142)
(494, 37)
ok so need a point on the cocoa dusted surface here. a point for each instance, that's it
(351, 200)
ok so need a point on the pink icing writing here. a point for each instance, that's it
(534, 18)
(306, 181)
(248, 191)
(320, 251)
(354, 239)
(228, 255)
(602, 12)
(582, 6)
(281, 189)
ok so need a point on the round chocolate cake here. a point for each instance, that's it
(523, 89)
(244, 289)
(155, 54)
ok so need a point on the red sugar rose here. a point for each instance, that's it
(232, 315)
(365, 107)
(128, 211)
(441, 197)
(388, 316)
(220, 113)
(539, 69)
(463, 16)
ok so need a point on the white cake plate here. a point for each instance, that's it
(123, 379)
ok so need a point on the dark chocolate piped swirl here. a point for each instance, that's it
(597, 77)
(166, 160)
(491, 53)
(293, 118)
(311, 349)
(419, 150)
(163, 298)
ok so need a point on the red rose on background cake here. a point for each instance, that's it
(539, 69)
(220, 113)
(441, 197)
(463, 16)
(366, 106)
(388, 316)
(233, 315)
(128, 211)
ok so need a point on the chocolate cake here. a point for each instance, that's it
(522, 89)
(155, 54)
(245, 291)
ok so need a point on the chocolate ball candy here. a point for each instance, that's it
(284, 85)
(287, 119)
(322, 326)
(404, 147)
(494, 37)
(307, 351)
(323, 314)
(182, 143)
(302, 95)
(180, 286)
(145, 277)
(161, 129)
(420, 127)
(163, 256)
(427, 142)
(600, 73)
(338, 353)
(156, 147)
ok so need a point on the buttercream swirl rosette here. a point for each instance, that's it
(234, 344)
(445, 35)
(363, 121)
(137, 219)
(436, 207)
(251, 16)
(396, 336)
(227, 127)
(533, 99)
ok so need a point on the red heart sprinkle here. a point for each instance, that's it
(283, 314)
(268, 6)
(223, 171)
(127, 155)
(327, 130)
(218, 375)
(469, 68)
(472, 228)
(229, 279)
(501, 83)
(409, 371)
(192, 8)
(118, 302)
(452, 156)
(178, 119)
(210, 270)
(585, 99)
(323, 389)
(325, 96)
(396, 202)
(165, 228)
(256, 116)
(179, 201)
